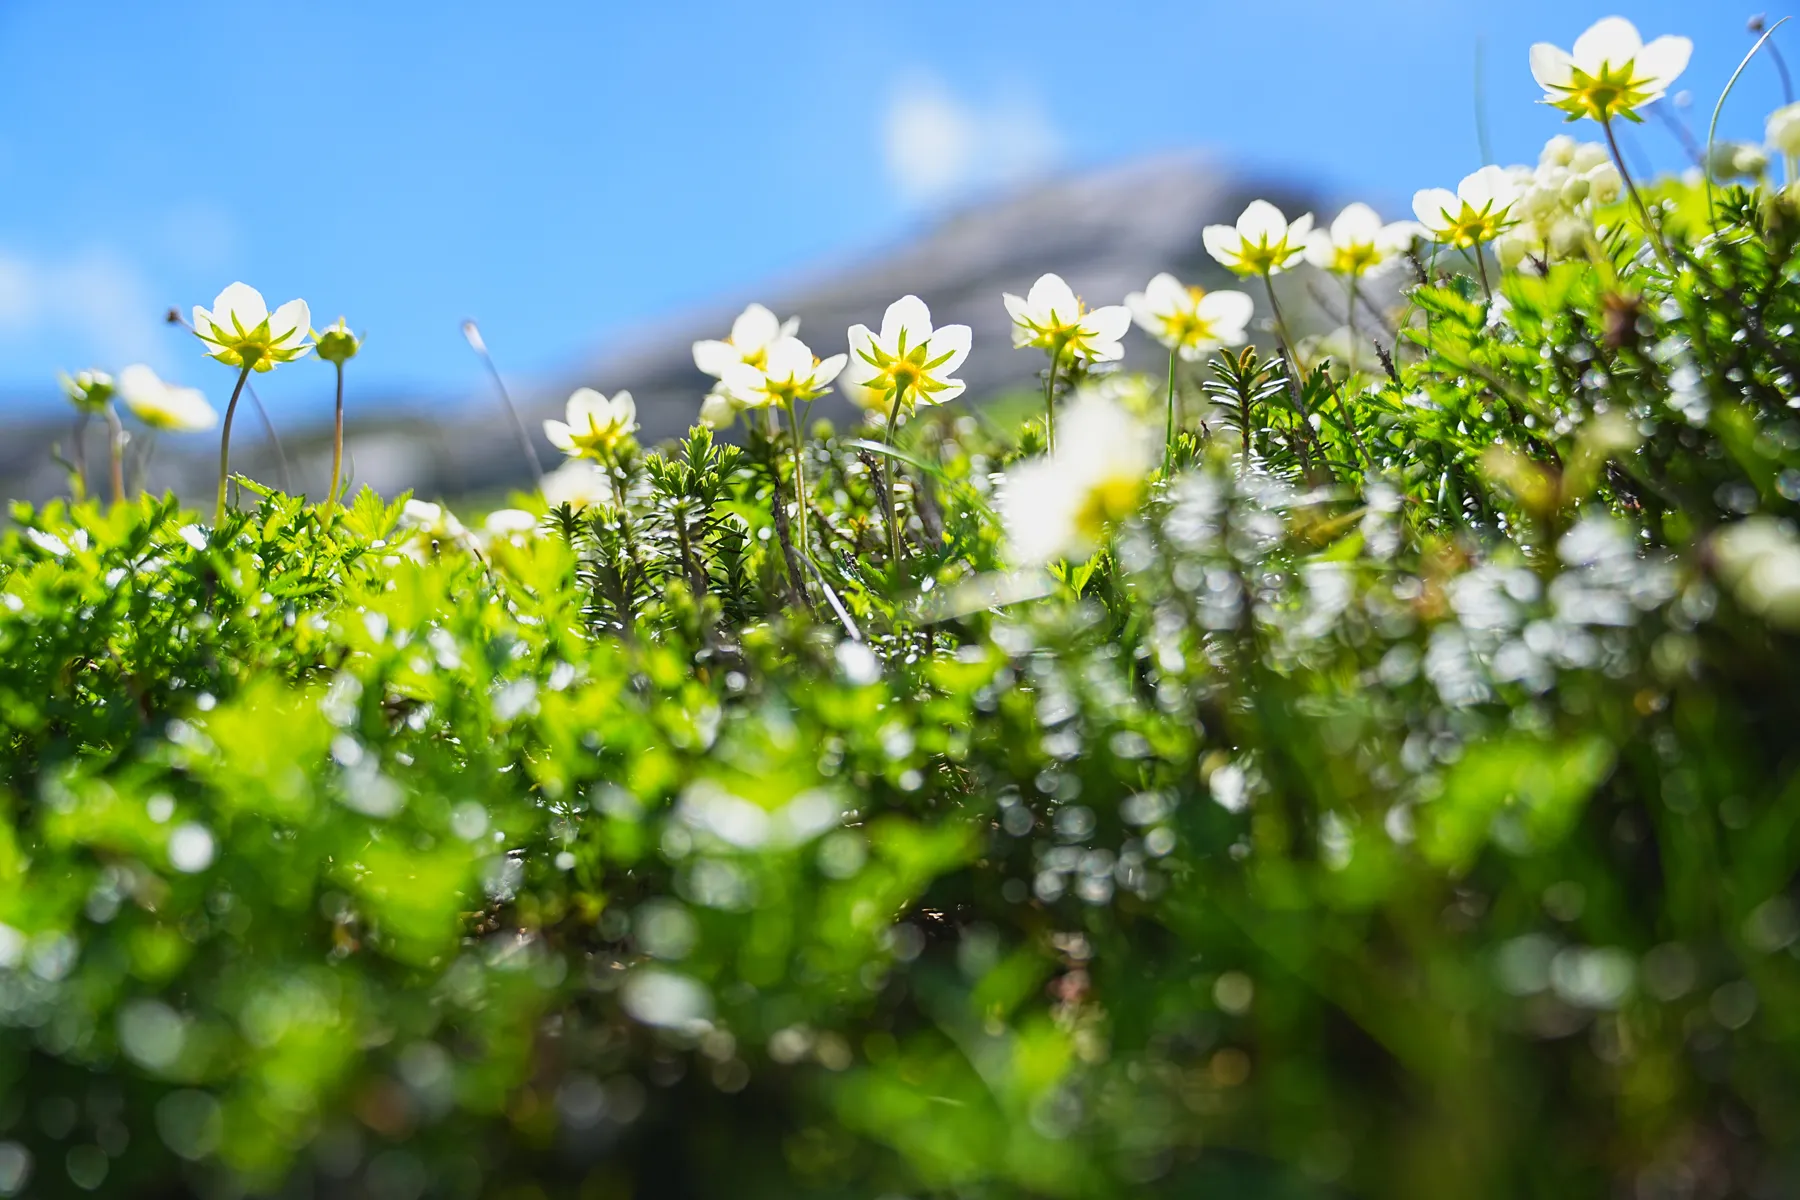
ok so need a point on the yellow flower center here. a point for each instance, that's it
(1108, 500)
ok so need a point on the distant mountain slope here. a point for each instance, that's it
(1106, 232)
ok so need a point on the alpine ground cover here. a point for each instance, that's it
(1360, 765)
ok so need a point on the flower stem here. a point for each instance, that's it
(225, 444)
(115, 436)
(1487, 289)
(887, 468)
(1050, 400)
(337, 445)
(78, 457)
(1169, 436)
(1650, 229)
(799, 474)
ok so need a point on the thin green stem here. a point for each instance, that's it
(115, 436)
(1650, 230)
(1169, 436)
(887, 466)
(1050, 400)
(337, 445)
(225, 444)
(1479, 250)
(78, 457)
(799, 473)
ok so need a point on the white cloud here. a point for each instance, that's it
(96, 300)
(940, 146)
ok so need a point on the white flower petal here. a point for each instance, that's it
(1262, 221)
(712, 357)
(1609, 42)
(953, 340)
(1662, 61)
(755, 328)
(1223, 243)
(1551, 66)
(828, 369)
(909, 315)
(242, 303)
(1164, 294)
(1052, 299)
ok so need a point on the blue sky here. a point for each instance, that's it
(566, 172)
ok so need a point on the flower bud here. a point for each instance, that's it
(1568, 238)
(1784, 130)
(1510, 249)
(1751, 161)
(1605, 183)
(718, 410)
(1587, 156)
(336, 344)
(1542, 200)
(1576, 190)
(1559, 151)
(88, 390)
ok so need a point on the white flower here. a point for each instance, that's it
(162, 405)
(790, 374)
(1358, 243)
(1610, 72)
(752, 334)
(1188, 320)
(1742, 160)
(1783, 130)
(1262, 242)
(242, 332)
(432, 519)
(579, 483)
(596, 426)
(512, 524)
(1604, 183)
(719, 410)
(1061, 505)
(908, 359)
(1559, 151)
(1053, 318)
(1479, 210)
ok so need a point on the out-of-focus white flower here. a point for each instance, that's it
(240, 331)
(1053, 318)
(1783, 130)
(1189, 320)
(88, 390)
(752, 334)
(509, 523)
(162, 405)
(1604, 184)
(718, 410)
(1759, 559)
(1478, 211)
(908, 359)
(579, 483)
(1559, 151)
(1263, 242)
(429, 518)
(1358, 244)
(1741, 160)
(790, 374)
(595, 426)
(1061, 505)
(1610, 72)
